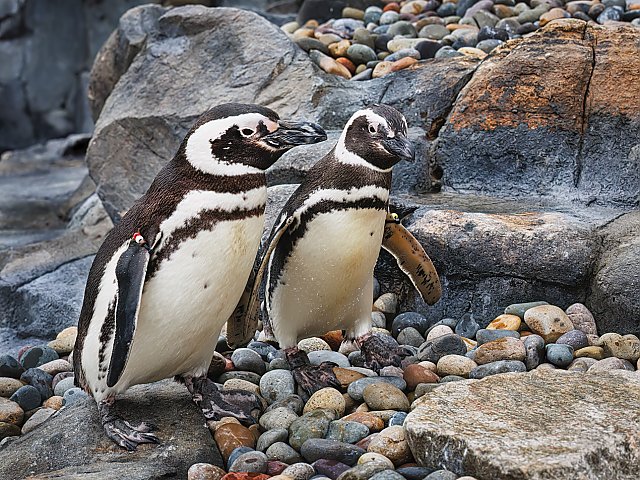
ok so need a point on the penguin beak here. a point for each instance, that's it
(290, 134)
(401, 147)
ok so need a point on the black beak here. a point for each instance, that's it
(290, 134)
(401, 147)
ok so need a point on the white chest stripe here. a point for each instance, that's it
(351, 195)
(196, 201)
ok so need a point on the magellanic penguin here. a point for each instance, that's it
(167, 278)
(324, 245)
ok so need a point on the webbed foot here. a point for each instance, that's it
(380, 351)
(122, 432)
(311, 378)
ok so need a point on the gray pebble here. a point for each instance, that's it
(355, 389)
(387, 18)
(277, 385)
(346, 431)
(493, 368)
(40, 380)
(576, 338)
(10, 367)
(247, 376)
(320, 448)
(63, 385)
(467, 326)
(434, 350)
(534, 351)
(279, 364)
(299, 471)
(73, 395)
(559, 355)
(278, 418)
(28, 397)
(484, 336)
(268, 438)
(387, 475)
(36, 356)
(359, 53)
(250, 462)
(284, 453)
(488, 45)
(409, 319)
(247, 359)
(402, 28)
(320, 356)
(410, 336)
(292, 402)
(441, 475)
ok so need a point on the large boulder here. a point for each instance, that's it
(540, 425)
(72, 444)
(554, 114)
(195, 57)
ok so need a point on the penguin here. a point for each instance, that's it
(168, 276)
(322, 250)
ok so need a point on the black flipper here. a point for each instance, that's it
(130, 275)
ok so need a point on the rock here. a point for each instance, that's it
(534, 348)
(371, 457)
(246, 476)
(409, 319)
(292, 402)
(438, 331)
(62, 386)
(596, 353)
(607, 364)
(36, 356)
(439, 347)
(205, 471)
(441, 475)
(485, 335)
(410, 336)
(488, 46)
(576, 338)
(73, 395)
(391, 442)
(28, 397)
(319, 448)
(348, 432)
(299, 471)
(548, 321)
(560, 355)
(247, 359)
(455, 365)
(312, 344)
(615, 345)
(54, 402)
(320, 356)
(356, 389)
(56, 366)
(255, 462)
(10, 367)
(506, 348)
(277, 385)
(361, 54)
(85, 449)
(326, 399)
(278, 418)
(272, 436)
(330, 468)
(387, 475)
(505, 322)
(414, 473)
(581, 364)
(467, 327)
(314, 424)
(493, 368)
(37, 418)
(9, 430)
(8, 386)
(416, 374)
(441, 427)
(582, 319)
(284, 453)
(373, 423)
(363, 472)
(384, 396)
(40, 380)
(11, 412)
(230, 436)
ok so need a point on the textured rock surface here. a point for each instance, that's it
(83, 451)
(558, 437)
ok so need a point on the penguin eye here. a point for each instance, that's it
(247, 132)
(372, 129)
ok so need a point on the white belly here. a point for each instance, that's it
(327, 282)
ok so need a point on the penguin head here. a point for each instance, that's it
(376, 137)
(237, 138)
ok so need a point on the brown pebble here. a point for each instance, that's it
(232, 435)
(54, 402)
(416, 374)
(373, 423)
(205, 471)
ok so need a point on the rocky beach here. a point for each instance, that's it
(524, 193)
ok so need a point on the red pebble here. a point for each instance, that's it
(393, 6)
(274, 467)
(245, 476)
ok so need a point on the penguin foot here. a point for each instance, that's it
(216, 405)
(122, 432)
(380, 351)
(311, 378)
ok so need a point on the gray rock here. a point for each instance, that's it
(356, 388)
(73, 395)
(10, 367)
(441, 475)
(346, 431)
(299, 471)
(409, 319)
(284, 453)
(314, 424)
(494, 368)
(86, 451)
(484, 336)
(277, 385)
(534, 348)
(247, 359)
(63, 385)
(410, 336)
(437, 348)
(277, 419)
(319, 356)
(41, 416)
(320, 448)
(40, 380)
(28, 397)
(576, 338)
(467, 327)
(250, 462)
(442, 431)
(270, 437)
(36, 356)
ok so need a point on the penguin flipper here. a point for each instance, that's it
(243, 322)
(131, 270)
(412, 259)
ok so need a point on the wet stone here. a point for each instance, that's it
(397, 419)
(36, 356)
(439, 347)
(284, 453)
(299, 471)
(320, 356)
(270, 437)
(485, 336)
(560, 355)
(277, 385)
(314, 424)
(384, 396)
(519, 309)
(10, 367)
(40, 380)
(278, 418)
(249, 360)
(467, 326)
(250, 462)
(493, 368)
(356, 388)
(348, 432)
(320, 448)
(576, 338)
(534, 348)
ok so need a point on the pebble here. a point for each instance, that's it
(409, 319)
(392, 443)
(326, 398)
(493, 368)
(438, 331)
(484, 335)
(414, 473)
(506, 348)
(389, 17)
(597, 353)
(271, 436)
(373, 423)
(363, 472)
(250, 462)
(239, 375)
(626, 347)
(278, 418)
(416, 374)
(439, 347)
(320, 356)
(467, 326)
(36, 356)
(560, 355)
(387, 475)
(40, 380)
(63, 345)
(582, 319)
(328, 64)
(73, 395)
(10, 367)
(384, 396)
(410, 336)
(276, 385)
(9, 386)
(581, 364)
(321, 448)
(314, 424)
(356, 388)
(576, 338)
(37, 418)
(534, 348)
(236, 453)
(330, 468)
(56, 366)
(62, 386)
(505, 322)
(458, 365)
(307, 44)
(205, 471)
(441, 475)
(346, 431)
(284, 453)
(606, 364)
(375, 457)
(246, 476)
(11, 412)
(397, 418)
(230, 436)
(313, 344)
(28, 397)
(548, 321)
(520, 309)
(249, 360)
(359, 53)
(299, 471)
